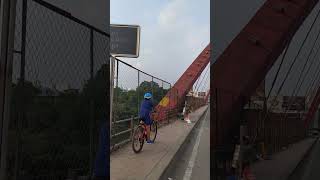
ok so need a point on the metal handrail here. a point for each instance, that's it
(124, 120)
(122, 132)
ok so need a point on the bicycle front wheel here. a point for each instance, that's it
(138, 139)
(153, 130)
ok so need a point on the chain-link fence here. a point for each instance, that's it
(60, 89)
(130, 85)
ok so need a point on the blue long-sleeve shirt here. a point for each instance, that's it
(102, 159)
(146, 108)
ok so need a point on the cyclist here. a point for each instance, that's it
(145, 113)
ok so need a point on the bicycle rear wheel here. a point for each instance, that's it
(138, 139)
(153, 130)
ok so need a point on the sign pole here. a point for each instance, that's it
(125, 42)
(111, 92)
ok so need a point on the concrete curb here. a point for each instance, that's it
(304, 157)
(162, 167)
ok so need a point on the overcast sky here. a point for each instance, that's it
(230, 16)
(173, 33)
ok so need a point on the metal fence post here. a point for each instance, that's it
(162, 90)
(168, 115)
(8, 16)
(91, 54)
(21, 116)
(138, 92)
(116, 92)
(111, 93)
(117, 77)
(132, 126)
(23, 40)
(91, 103)
(152, 91)
(217, 118)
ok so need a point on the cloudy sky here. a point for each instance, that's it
(173, 33)
(230, 16)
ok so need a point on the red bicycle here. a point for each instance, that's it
(140, 135)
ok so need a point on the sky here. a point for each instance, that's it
(173, 33)
(229, 18)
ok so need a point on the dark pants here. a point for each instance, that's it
(102, 167)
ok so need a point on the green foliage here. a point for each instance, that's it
(127, 103)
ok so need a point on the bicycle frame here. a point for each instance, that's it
(145, 135)
(144, 131)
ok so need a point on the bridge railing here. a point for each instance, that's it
(124, 134)
(130, 84)
(275, 131)
(196, 102)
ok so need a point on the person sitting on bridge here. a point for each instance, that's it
(145, 114)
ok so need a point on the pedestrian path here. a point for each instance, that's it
(153, 159)
(283, 163)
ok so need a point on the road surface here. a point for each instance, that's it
(193, 162)
(309, 167)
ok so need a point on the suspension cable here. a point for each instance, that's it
(314, 57)
(204, 84)
(296, 57)
(276, 76)
(203, 77)
(314, 95)
(296, 89)
(195, 87)
(315, 79)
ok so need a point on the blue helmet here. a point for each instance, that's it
(147, 95)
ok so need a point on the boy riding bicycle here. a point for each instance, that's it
(145, 114)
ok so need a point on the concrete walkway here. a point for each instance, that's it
(312, 164)
(150, 163)
(283, 163)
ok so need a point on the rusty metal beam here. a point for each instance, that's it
(176, 95)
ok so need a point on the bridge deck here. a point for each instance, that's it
(283, 163)
(153, 159)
